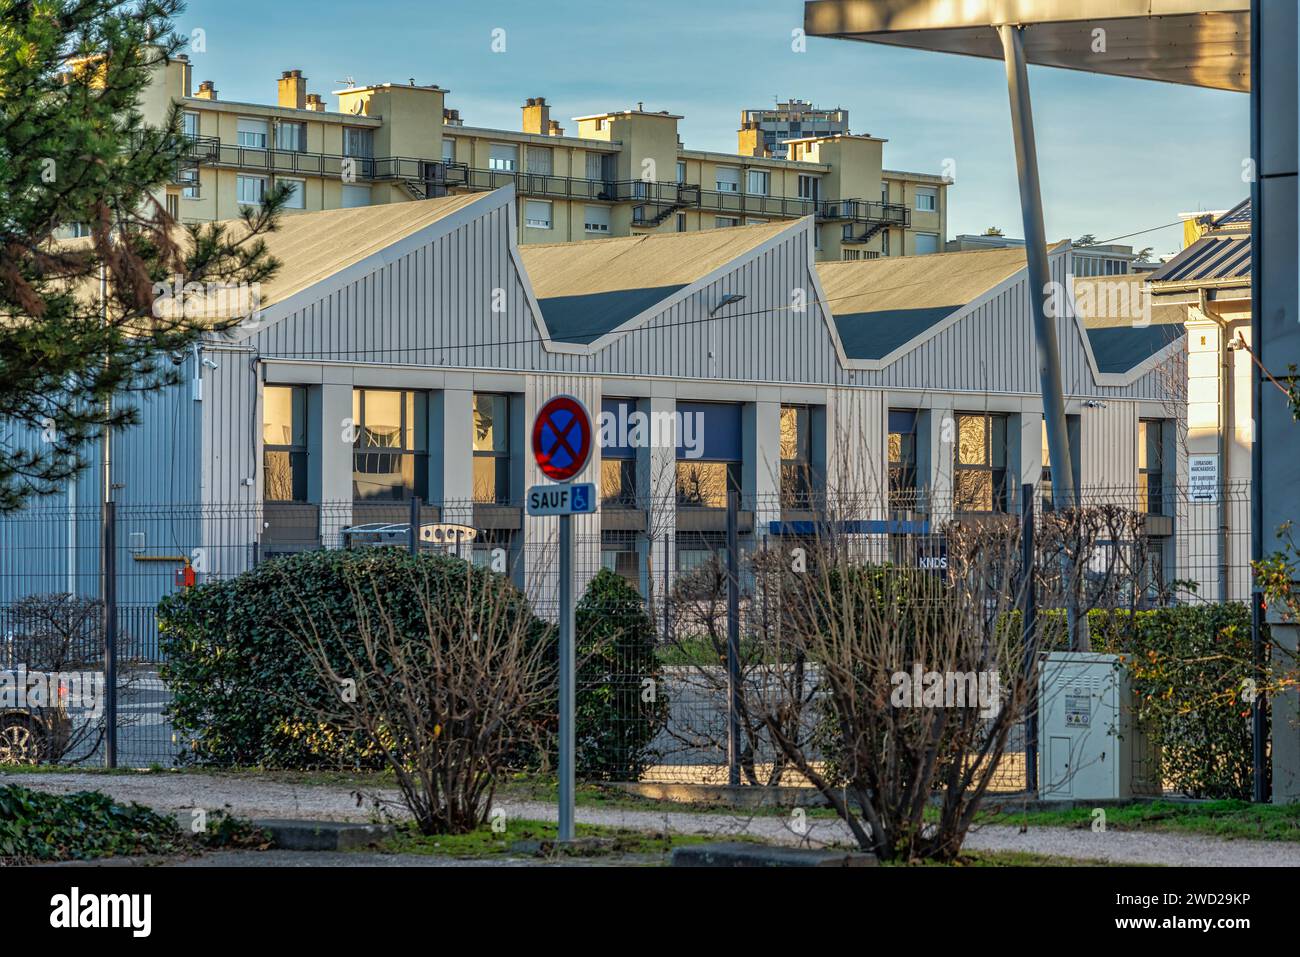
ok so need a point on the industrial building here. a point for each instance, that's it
(404, 349)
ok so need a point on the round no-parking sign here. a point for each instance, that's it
(562, 438)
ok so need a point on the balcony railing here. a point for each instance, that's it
(437, 177)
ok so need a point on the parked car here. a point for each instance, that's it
(32, 734)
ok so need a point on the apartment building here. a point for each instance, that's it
(767, 132)
(613, 174)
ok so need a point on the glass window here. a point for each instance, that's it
(389, 458)
(902, 458)
(705, 484)
(681, 172)
(503, 156)
(190, 124)
(927, 200)
(284, 444)
(808, 187)
(537, 214)
(758, 182)
(796, 458)
(981, 467)
(491, 448)
(251, 134)
(727, 179)
(540, 160)
(354, 196)
(725, 222)
(298, 198)
(448, 150)
(291, 136)
(926, 243)
(189, 180)
(358, 141)
(618, 482)
(250, 190)
(1151, 434)
(596, 219)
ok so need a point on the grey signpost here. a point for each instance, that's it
(562, 438)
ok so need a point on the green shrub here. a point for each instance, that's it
(617, 670)
(244, 690)
(37, 826)
(1188, 664)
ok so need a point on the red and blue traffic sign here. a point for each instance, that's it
(562, 438)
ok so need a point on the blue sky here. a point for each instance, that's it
(1116, 155)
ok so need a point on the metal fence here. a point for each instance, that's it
(684, 714)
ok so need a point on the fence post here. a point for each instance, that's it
(415, 525)
(110, 633)
(1029, 621)
(1258, 707)
(733, 639)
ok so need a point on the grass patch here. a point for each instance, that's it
(36, 826)
(1225, 819)
(523, 838)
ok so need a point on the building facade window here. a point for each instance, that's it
(291, 136)
(980, 472)
(1151, 454)
(448, 150)
(903, 492)
(354, 196)
(190, 124)
(250, 190)
(725, 222)
(681, 222)
(927, 200)
(284, 444)
(540, 160)
(503, 157)
(796, 457)
(705, 473)
(189, 180)
(596, 219)
(758, 182)
(537, 214)
(389, 457)
(358, 141)
(926, 243)
(727, 179)
(491, 448)
(250, 133)
(297, 198)
(809, 187)
(681, 172)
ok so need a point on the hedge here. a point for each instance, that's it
(242, 685)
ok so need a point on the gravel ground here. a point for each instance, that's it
(251, 797)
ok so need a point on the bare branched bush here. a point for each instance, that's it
(922, 677)
(443, 678)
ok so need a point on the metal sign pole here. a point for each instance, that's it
(567, 699)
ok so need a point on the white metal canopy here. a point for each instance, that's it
(1195, 42)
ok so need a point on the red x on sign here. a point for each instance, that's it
(562, 438)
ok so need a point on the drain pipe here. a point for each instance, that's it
(1226, 418)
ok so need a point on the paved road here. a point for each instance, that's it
(250, 796)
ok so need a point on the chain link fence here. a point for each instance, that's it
(672, 684)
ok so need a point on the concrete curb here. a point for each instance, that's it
(761, 855)
(292, 835)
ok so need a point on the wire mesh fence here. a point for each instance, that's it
(677, 673)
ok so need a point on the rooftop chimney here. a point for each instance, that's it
(554, 128)
(451, 117)
(315, 103)
(537, 116)
(293, 89)
(206, 91)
